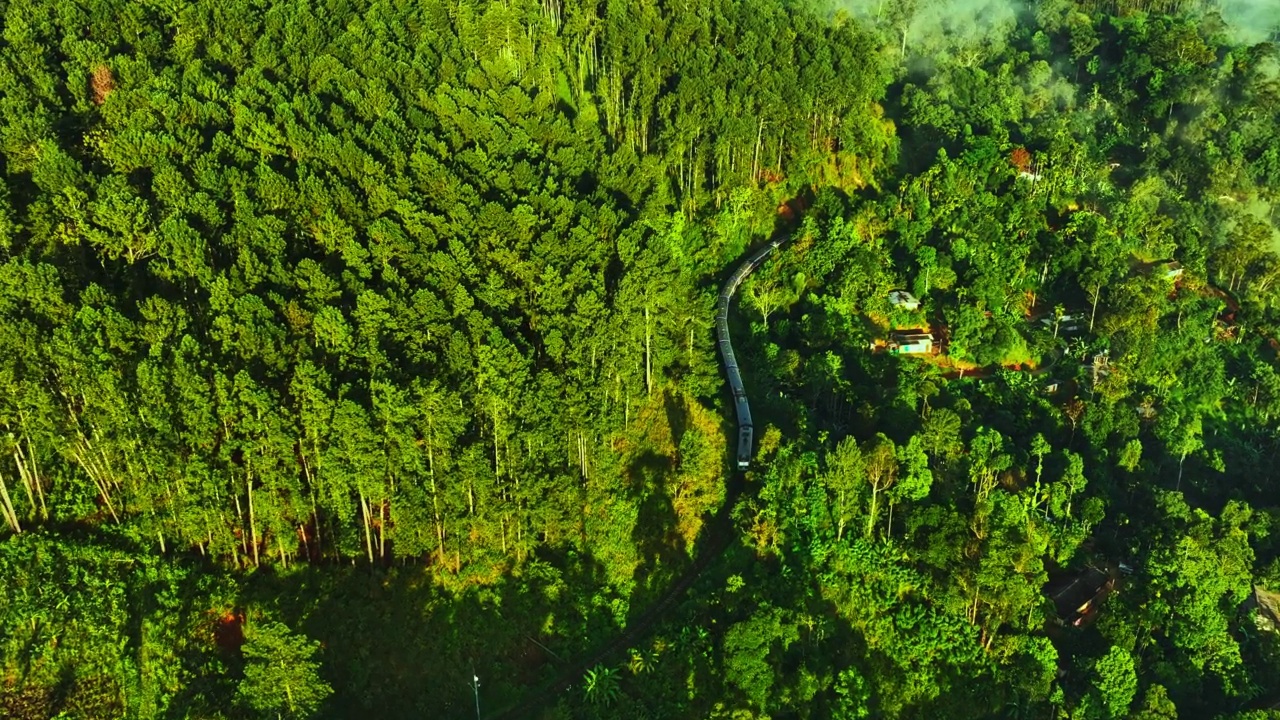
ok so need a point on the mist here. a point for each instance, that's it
(1251, 21)
(934, 28)
(1266, 212)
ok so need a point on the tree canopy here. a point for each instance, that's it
(358, 359)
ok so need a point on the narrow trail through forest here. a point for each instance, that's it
(715, 539)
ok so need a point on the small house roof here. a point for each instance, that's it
(1070, 594)
(1268, 602)
(1168, 267)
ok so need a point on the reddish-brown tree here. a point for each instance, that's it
(1021, 159)
(103, 83)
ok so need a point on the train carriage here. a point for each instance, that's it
(742, 408)
(744, 446)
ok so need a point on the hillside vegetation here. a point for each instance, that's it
(352, 350)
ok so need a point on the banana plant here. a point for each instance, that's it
(600, 685)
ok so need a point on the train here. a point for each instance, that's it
(741, 406)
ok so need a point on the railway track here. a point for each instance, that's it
(718, 534)
(741, 406)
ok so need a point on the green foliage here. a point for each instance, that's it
(1114, 685)
(600, 686)
(281, 677)
(92, 630)
(391, 323)
(1156, 705)
(852, 696)
(749, 646)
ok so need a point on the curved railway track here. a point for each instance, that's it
(741, 406)
(718, 534)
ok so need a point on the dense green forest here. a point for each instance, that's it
(358, 360)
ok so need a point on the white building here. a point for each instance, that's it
(903, 299)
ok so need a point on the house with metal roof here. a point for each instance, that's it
(911, 343)
(904, 300)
